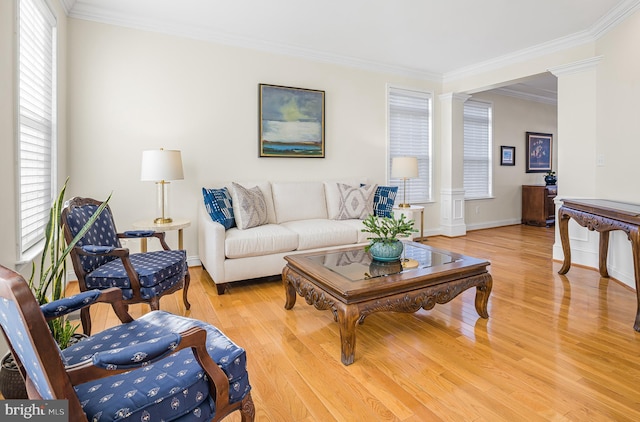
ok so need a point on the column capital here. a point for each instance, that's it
(575, 67)
(454, 96)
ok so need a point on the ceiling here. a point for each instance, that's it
(430, 39)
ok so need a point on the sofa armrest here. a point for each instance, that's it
(211, 237)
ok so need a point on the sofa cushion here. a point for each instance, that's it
(383, 200)
(320, 233)
(263, 240)
(265, 188)
(218, 205)
(249, 206)
(355, 202)
(298, 201)
(356, 225)
(332, 195)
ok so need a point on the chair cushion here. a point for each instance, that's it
(262, 240)
(322, 233)
(152, 269)
(219, 206)
(119, 394)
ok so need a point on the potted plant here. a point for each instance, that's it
(384, 245)
(49, 286)
(550, 178)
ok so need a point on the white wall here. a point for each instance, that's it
(512, 118)
(597, 112)
(133, 90)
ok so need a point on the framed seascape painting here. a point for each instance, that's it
(507, 156)
(291, 122)
(539, 150)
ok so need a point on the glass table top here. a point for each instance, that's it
(358, 265)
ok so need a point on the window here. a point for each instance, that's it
(410, 135)
(477, 149)
(36, 119)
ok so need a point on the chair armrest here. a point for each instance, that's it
(99, 250)
(143, 234)
(66, 305)
(138, 354)
(136, 233)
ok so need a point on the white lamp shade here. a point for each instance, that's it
(161, 164)
(404, 167)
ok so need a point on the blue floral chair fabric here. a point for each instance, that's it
(100, 261)
(160, 367)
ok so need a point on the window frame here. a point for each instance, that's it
(45, 124)
(489, 159)
(425, 158)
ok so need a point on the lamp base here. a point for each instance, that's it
(404, 205)
(161, 220)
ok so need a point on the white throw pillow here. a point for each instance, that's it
(355, 202)
(249, 206)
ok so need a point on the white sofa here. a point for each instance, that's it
(301, 218)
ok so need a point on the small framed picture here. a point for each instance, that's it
(507, 156)
(539, 150)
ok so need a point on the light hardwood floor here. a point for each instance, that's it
(555, 347)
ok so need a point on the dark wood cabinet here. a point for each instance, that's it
(538, 208)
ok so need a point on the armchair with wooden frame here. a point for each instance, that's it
(100, 261)
(158, 367)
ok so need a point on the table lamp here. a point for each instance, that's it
(404, 168)
(161, 166)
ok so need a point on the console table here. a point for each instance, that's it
(602, 216)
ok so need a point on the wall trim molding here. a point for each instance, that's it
(96, 13)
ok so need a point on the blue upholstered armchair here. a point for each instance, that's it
(100, 261)
(158, 367)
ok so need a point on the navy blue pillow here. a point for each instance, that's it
(218, 204)
(383, 201)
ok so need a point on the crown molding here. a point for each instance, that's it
(616, 16)
(454, 96)
(67, 5)
(520, 56)
(575, 67)
(526, 96)
(94, 12)
(601, 27)
(97, 14)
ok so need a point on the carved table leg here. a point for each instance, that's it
(347, 319)
(604, 251)
(482, 296)
(563, 226)
(289, 289)
(634, 237)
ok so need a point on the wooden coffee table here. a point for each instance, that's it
(352, 286)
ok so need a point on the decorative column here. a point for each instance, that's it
(577, 150)
(452, 164)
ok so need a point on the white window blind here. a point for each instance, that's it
(410, 135)
(36, 118)
(477, 149)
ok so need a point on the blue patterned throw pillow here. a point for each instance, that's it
(383, 201)
(218, 204)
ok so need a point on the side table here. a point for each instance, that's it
(177, 224)
(410, 212)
